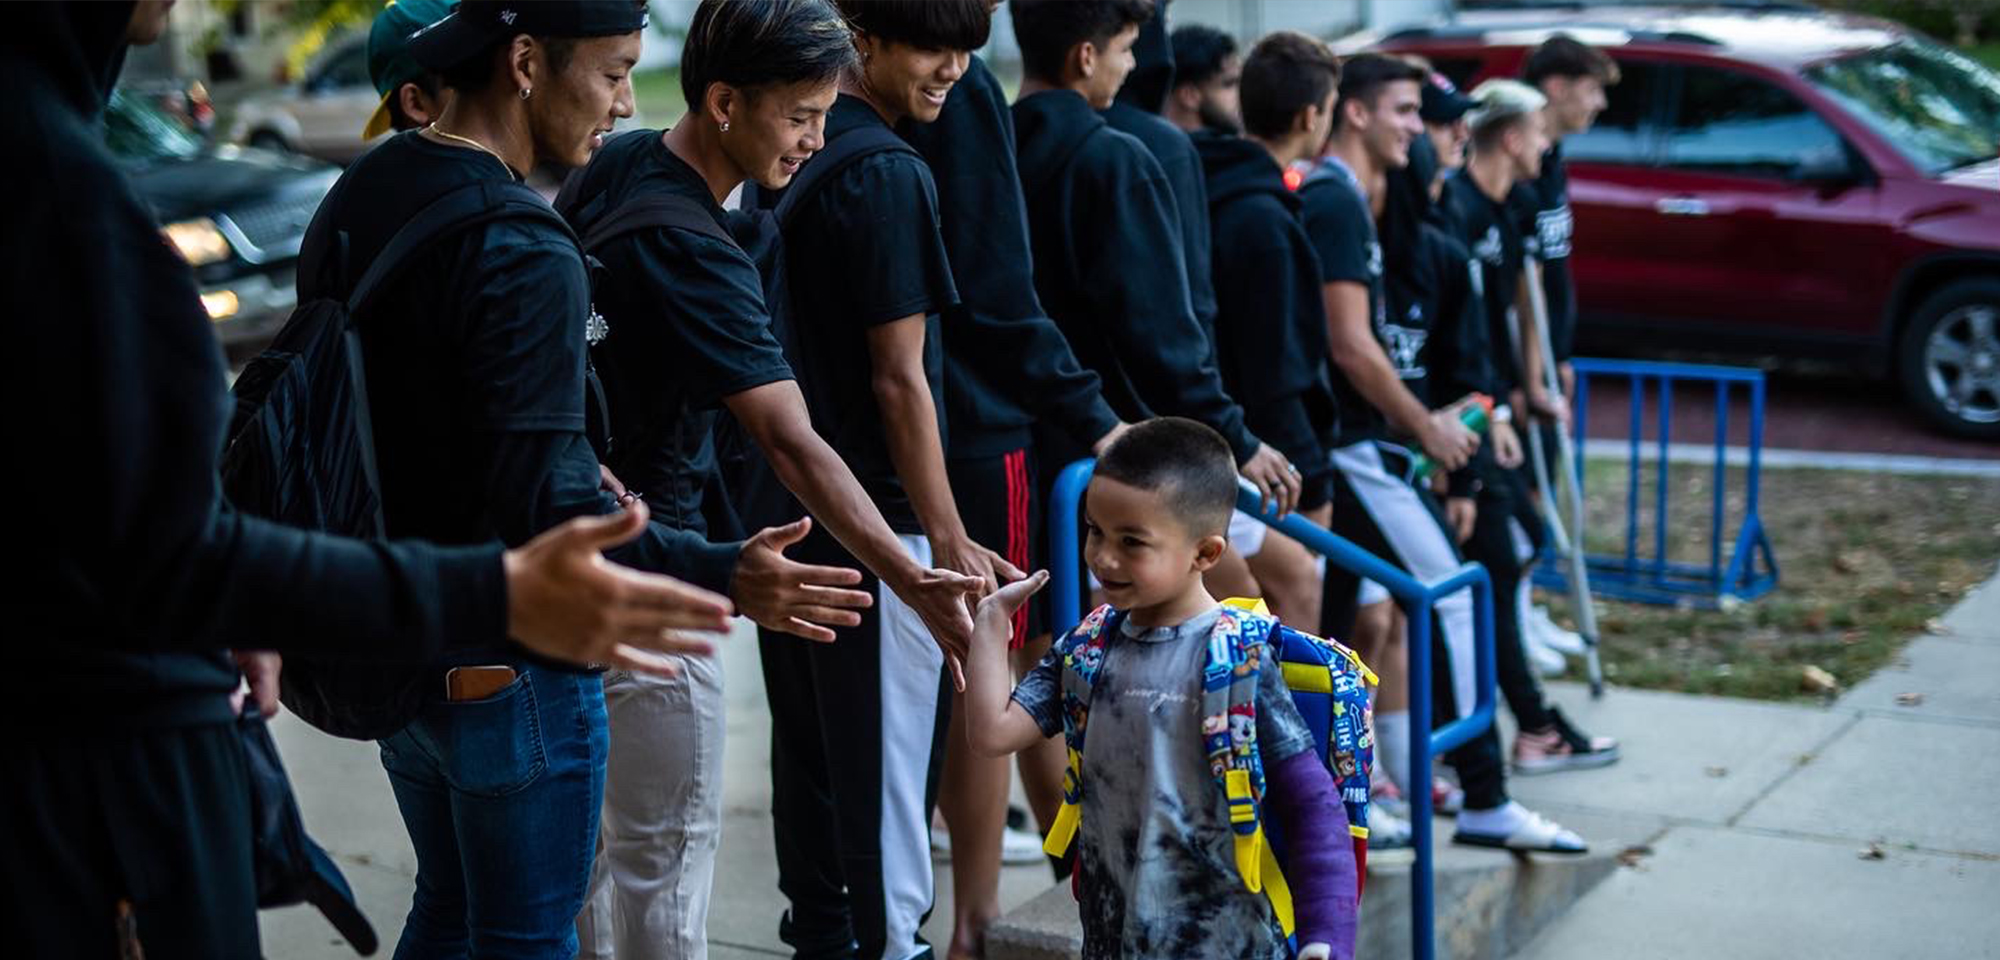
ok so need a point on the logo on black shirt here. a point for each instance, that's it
(1488, 248)
(1553, 228)
(596, 328)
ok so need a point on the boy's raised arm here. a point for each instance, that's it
(997, 725)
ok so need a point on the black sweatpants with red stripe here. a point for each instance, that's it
(1001, 507)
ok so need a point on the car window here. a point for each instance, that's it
(347, 67)
(139, 133)
(1940, 109)
(1731, 122)
(1623, 131)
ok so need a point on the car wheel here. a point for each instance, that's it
(267, 140)
(1949, 358)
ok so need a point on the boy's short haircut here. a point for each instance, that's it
(1047, 30)
(1500, 106)
(1199, 51)
(924, 24)
(1363, 76)
(1186, 461)
(1285, 73)
(770, 43)
(1565, 56)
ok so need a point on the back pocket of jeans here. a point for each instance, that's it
(492, 747)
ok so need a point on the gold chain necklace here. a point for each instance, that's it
(434, 130)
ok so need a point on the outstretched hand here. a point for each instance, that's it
(801, 599)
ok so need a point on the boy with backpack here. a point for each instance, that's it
(1197, 746)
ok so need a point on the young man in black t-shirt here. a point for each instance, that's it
(1573, 76)
(858, 725)
(1009, 369)
(476, 380)
(1508, 142)
(689, 332)
(1270, 328)
(1102, 219)
(1376, 120)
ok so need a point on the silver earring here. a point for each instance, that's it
(725, 126)
(526, 91)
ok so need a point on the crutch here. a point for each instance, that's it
(1566, 486)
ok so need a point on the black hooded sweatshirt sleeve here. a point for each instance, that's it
(1098, 206)
(1270, 321)
(1175, 152)
(1006, 361)
(138, 574)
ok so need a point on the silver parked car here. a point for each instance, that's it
(320, 116)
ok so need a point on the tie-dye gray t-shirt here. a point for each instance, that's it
(1157, 864)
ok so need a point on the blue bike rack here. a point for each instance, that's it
(1750, 570)
(1415, 597)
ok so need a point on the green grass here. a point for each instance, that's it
(1866, 562)
(657, 94)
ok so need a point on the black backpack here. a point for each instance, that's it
(754, 493)
(301, 448)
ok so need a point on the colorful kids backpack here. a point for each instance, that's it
(1329, 685)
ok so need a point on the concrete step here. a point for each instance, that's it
(1490, 904)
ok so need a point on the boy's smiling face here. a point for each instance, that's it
(1146, 556)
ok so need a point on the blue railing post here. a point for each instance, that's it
(1418, 600)
(1748, 570)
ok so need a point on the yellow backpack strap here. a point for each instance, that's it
(1252, 604)
(1063, 832)
(1278, 892)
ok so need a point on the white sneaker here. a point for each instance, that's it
(1551, 634)
(1388, 838)
(1547, 661)
(1016, 846)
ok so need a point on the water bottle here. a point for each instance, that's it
(1474, 415)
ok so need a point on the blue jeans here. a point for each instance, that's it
(501, 799)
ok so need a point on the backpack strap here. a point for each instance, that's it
(651, 212)
(1242, 638)
(839, 153)
(1082, 653)
(458, 210)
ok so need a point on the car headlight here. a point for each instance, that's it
(198, 241)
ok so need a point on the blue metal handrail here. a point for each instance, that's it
(1415, 597)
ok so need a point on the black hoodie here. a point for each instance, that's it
(1137, 112)
(1270, 321)
(1098, 206)
(1006, 362)
(134, 574)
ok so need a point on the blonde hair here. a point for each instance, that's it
(1497, 106)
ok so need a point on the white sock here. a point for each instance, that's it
(1500, 821)
(1392, 748)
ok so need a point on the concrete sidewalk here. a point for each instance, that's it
(1752, 819)
(1864, 829)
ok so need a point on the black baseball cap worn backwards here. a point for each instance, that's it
(475, 25)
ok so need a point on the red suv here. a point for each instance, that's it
(1783, 181)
